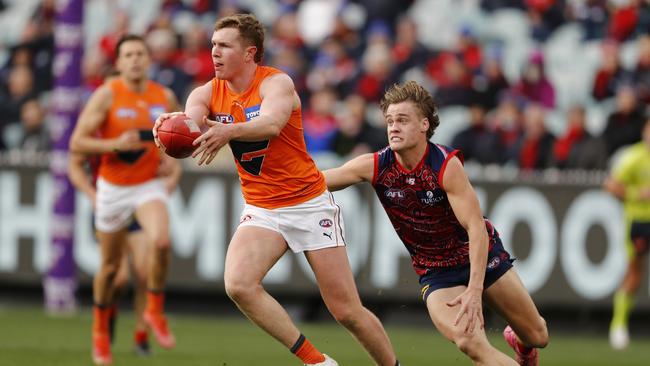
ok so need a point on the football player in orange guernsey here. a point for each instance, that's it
(122, 112)
(256, 110)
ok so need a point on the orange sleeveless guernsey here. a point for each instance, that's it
(273, 173)
(132, 110)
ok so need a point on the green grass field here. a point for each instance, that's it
(29, 337)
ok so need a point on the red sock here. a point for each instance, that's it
(112, 310)
(100, 319)
(306, 351)
(155, 301)
(523, 349)
(140, 336)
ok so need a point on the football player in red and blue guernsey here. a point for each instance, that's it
(456, 251)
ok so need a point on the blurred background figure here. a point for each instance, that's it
(479, 142)
(408, 51)
(355, 135)
(164, 62)
(624, 124)
(376, 64)
(534, 84)
(577, 148)
(319, 120)
(19, 89)
(35, 135)
(534, 148)
(611, 75)
(109, 40)
(194, 58)
(641, 73)
(508, 123)
(630, 182)
(490, 82)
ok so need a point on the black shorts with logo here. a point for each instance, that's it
(640, 236)
(498, 263)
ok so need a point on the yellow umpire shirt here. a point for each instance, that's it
(633, 170)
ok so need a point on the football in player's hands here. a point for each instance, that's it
(176, 135)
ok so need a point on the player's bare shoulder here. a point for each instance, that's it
(172, 100)
(102, 98)
(454, 175)
(201, 94)
(279, 84)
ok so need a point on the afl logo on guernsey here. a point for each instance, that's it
(326, 223)
(224, 118)
(395, 193)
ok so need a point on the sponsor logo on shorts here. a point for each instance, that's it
(493, 263)
(329, 235)
(326, 223)
(245, 218)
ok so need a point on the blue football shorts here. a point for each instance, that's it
(498, 263)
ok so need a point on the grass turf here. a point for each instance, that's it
(30, 337)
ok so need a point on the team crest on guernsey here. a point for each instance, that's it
(326, 223)
(155, 110)
(224, 118)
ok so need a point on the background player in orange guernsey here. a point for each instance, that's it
(456, 251)
(122, 111)
(135, 258)
(257, 111)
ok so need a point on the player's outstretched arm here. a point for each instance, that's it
(83, 138)
(359, 169)
(465, 205)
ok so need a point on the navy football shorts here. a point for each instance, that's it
(499, 262)
(640, 236)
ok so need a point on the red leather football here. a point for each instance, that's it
(176, 135)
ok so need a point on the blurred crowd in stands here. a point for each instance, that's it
(342, 55)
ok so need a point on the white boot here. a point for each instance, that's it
(328, 362)
(619, 338)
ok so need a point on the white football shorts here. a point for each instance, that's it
(312, 225)
(116, 204)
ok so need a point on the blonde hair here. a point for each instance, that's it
(413, 92)
(250, 30)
